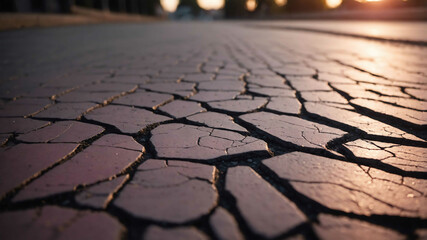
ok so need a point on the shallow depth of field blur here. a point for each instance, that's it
(235, 9)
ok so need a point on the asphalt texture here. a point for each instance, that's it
(220, 130)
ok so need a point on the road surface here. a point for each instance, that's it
(221, 130)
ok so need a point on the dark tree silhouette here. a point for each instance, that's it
(234, 8)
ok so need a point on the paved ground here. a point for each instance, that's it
(389, 30)
(210, 130)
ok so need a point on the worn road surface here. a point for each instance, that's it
(211, 131)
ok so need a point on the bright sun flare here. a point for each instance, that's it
(251, 5)
(333, 3)
(169, 5)
(211, 4)
(280, 3)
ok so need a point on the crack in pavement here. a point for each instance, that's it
(161, 133)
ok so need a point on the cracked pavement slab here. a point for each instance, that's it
(203, 143)
(159, 187)
(347, 187)
(52, 222)
(210, 131)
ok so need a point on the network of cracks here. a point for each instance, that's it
(238, 139)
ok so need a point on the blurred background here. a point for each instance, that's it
(235, 9)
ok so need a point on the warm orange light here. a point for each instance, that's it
(333, 3)
(368, 1)
(251, 5)
(169, 5)
(211, 4)
(280, 3)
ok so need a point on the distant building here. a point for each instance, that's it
(64, 6)
(35, 5)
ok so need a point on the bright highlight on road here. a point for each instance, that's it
(333, 3)
(211, 4)
(169, 5)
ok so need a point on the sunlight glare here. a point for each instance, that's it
(374, 32)
(169, 5)
(333, 3)
(211, 4)
(281, 3)
(251, 5)
(373, 52)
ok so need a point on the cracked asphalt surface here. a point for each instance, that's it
(210, 131)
